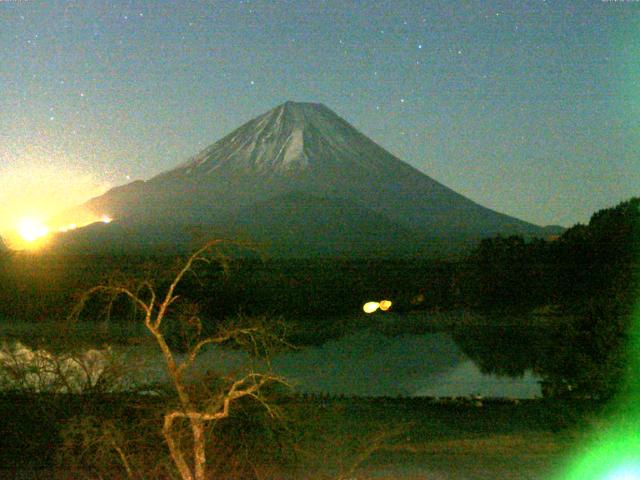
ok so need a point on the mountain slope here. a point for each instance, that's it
(304, 148)
(300, 225)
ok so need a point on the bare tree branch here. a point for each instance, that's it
(194, 411)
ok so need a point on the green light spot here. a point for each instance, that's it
(614, 454)
(626, 472)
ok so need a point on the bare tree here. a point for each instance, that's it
(194, 409)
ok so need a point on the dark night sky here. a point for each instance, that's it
(531, 108)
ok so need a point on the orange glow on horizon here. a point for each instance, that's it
(31, 232)
(47, 189)
(31, 229)
(67, 228)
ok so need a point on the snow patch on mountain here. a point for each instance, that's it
(273, 142)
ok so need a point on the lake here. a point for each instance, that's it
(364, 363)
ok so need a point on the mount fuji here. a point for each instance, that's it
(302, 181)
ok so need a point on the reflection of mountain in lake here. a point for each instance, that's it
(368, 363)
(467, 379)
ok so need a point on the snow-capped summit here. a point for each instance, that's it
(291, 138)
(274, 141)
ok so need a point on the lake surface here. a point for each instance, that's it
(364, 363)
(369, 363)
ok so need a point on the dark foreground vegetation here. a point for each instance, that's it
(586, 262)
(579, 288)
(561, 307)
(80, 436)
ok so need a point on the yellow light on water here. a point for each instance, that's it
(370, 307)
(385, 305)
(31, 229)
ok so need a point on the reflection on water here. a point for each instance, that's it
(504, 350)
(38, 370)
(369, 363)
(467, 379)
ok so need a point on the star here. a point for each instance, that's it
(188, 60)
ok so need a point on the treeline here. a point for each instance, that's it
(594, 262)
(588, 279)
(504, 274)
(36, 287)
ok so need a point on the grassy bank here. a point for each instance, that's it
(315, 438)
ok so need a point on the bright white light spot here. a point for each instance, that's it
(106, 219)
(370, 307)
(31, 229)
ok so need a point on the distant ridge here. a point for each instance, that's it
(300, 170)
